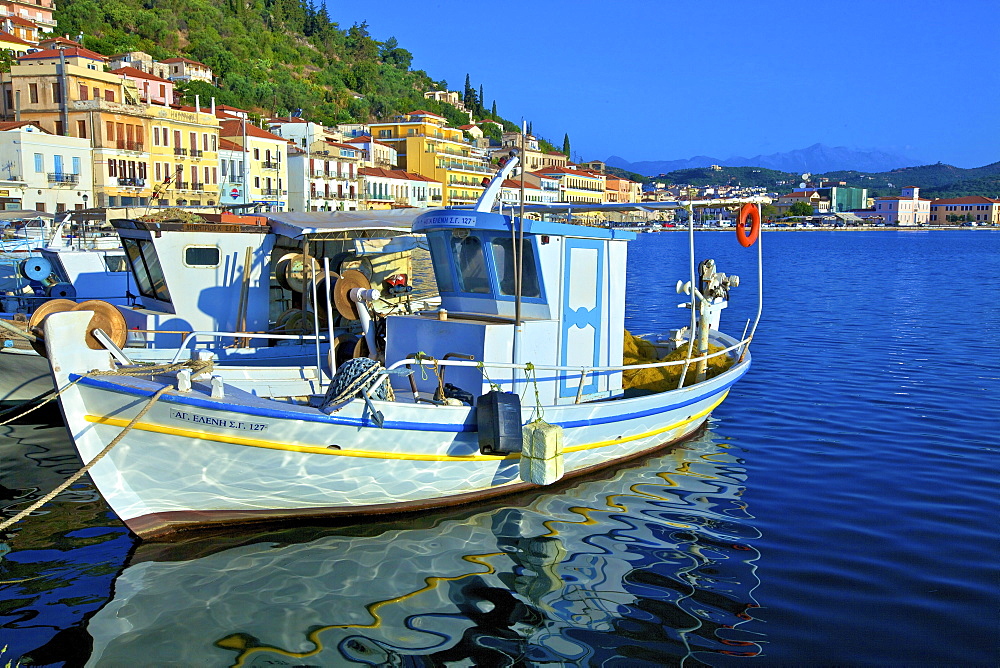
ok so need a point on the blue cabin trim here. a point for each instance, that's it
(582, 317)
(460, 219)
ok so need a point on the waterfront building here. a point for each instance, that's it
(43, 171)
(972, 209)
(136, 146)
(619, 189)
(532, 157)
(454, 98)
(810, 197)
(842, 198)
(534, 193)
(375, 153)
(425, 145)
(907, 209)
(185, 150)
(576, 185)
(396, 188)
(265, 163)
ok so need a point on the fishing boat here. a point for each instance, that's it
(235, 288)
(519, 379)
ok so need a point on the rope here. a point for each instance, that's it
(493, 386)
(196, 366)
(529, 368)
(79, 474)
(355, 376)
(17, 331)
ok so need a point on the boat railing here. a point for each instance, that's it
(191, 336)
(581, 371)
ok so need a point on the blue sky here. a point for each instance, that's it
(650, 80)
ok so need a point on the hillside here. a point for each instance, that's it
(269, 56)
(938, 180)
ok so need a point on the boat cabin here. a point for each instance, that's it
(572, 306)
(246, 273)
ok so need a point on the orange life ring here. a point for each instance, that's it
(751, 210)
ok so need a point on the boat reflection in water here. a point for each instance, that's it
(651, 564)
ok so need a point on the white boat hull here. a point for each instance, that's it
(196, 460)
(24, 375)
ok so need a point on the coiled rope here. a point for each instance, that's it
(358, 375)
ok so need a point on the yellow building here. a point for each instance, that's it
(576, 185)
(135, 145)
(265, 161)
(426, 146)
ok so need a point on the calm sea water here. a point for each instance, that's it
(841, 509)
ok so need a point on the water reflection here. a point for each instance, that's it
(652, 564)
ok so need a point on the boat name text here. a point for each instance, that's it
(217, 422)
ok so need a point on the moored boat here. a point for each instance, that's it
(529, 309)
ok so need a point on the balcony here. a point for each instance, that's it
(195, 153)
(124, 145)
(182, 185)
(180, 151)
(131, 182)
(60, 177)
(435, 198)
(271, 192)
(271, 165)
(197, 186)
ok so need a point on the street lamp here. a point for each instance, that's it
(85, 198)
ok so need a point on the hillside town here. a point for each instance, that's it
(81, 130)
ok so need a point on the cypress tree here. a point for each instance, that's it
(566, 144)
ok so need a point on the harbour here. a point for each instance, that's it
(837, 505)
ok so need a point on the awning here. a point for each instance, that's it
(298, 224)
(11, 216)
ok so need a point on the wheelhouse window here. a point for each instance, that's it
(146, 268)
(115, 263)
(471, 263)
(503, 258)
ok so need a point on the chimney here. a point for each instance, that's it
(213, 105)
(197, 103)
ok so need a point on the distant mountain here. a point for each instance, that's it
(815, 159)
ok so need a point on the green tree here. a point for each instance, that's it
(493, 111)
(800, 209)
(565, 148)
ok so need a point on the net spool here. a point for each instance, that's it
(344, 261)
(108, 319)
(38, 317)
(36, 268)
(296, 271)
(61, 290)
(349, 279)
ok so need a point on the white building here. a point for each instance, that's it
(397, 188)
(909, 209)
(375, 153)
(325, 178)
(43, 171)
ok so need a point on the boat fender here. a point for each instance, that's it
(542, 453)
(748, 210)
(498, 415)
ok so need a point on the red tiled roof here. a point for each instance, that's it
(13, 125)
(185, 60)
(10, 39)
(516, 183)
(17, 20)
(234, 128)
(227, 145)
(421, 112)
(130, 71)
(54, 53)
(394, 174)
(969, 199)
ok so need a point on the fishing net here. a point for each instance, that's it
(660, 379)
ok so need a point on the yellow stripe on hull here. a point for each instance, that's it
(370, 454)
